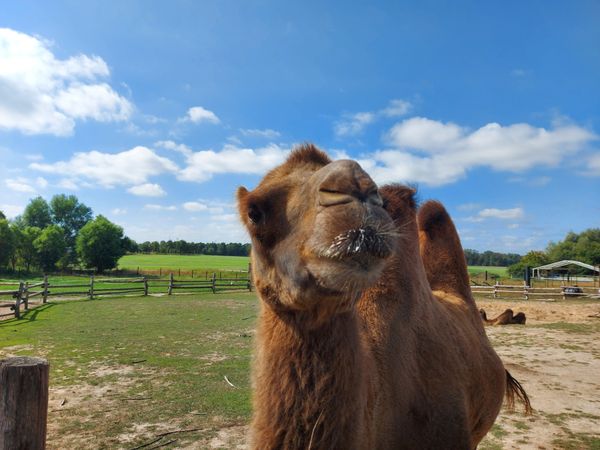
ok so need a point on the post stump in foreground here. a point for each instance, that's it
(23, 403)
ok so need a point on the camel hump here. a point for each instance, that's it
(441, 251)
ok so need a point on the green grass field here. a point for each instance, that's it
(123, 370)
(187, 262)
(495, 270)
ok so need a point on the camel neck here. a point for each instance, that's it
(309, 382)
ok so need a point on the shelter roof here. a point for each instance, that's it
(566, 262)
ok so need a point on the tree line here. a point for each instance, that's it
(59, 234)
(182, 247)
(489, 258)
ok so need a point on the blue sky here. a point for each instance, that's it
(152, 113)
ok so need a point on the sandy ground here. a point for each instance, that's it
(560, 370)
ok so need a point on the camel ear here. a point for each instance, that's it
(441, 251)
(251, 212)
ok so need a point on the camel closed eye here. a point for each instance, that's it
(330, 198)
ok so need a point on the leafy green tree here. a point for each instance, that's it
(37, 213)
(584, 247)
(50, 246)
(532, 259)
(100, 244)
(71, 215)
(7, 242)
(2, 216)
(27, 252)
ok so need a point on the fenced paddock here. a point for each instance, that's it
(528, 292)
(19, 296)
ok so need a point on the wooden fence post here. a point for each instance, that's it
(526, 292)
(26, 299)
(91, 295)
(45, 294)
(496, 290)
(170, 284)
(23, 403)
(214, 283)
(145, 286)
(19, 296)
(250, 277)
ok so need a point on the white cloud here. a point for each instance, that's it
(468, 206)
(130, 167)
(147, 190)
(41, 182)
(41, 94)
(202, 165)
(154, 207)
(593, 165)
(170, 145)
(118, 212)
(266, 133)
(198, 114)
(195, 206)
(68, 184)
(495, 213)
(436, 153)
(397, 108)
(11, 211)
(19, 184)
(353, 124)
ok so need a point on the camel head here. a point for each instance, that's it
(319, 232)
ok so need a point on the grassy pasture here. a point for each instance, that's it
(123, 370)
(126, 371)
(495, 270)
(187, 262)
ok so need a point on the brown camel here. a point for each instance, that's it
(508, 317)
(354, 350)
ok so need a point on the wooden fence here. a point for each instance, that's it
(526, 292)
(24, 295)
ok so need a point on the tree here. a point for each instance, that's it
(584, 247)
(27, 252)
(2, 216)
(37, 213)
(50, 246)
(532, 259)
(100, 244)
(7, 242)
(69, 213)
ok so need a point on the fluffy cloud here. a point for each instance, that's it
(353, 124)
(593, 165)
(397, 108)
(40, 94)
(195, 206)
(130, 167)
(202, 165)
(147, 190)
(154, 207)
(198, 114)
(435, 153)
(21, 184)
(495, 213)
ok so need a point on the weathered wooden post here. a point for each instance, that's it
(91, 287)
(496, 290)
(250, 277)
(45, 293)
(23, 403)
(145, 286)
(214, 283)
(26, 295)
(18, 297)
(170, 291)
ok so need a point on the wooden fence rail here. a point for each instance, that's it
(512, 291)
(35, 294)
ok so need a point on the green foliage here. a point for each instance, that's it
(37, 213)
(100, 244)
(69, 214)
(584, 247)
(489, 258)
(26, 250)
(50, 246)
(7, 242)
(2, 216)
(195, 248)
(531, 259)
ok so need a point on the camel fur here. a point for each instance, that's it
(362, 342)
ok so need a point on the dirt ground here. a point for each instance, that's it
(556, 357)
